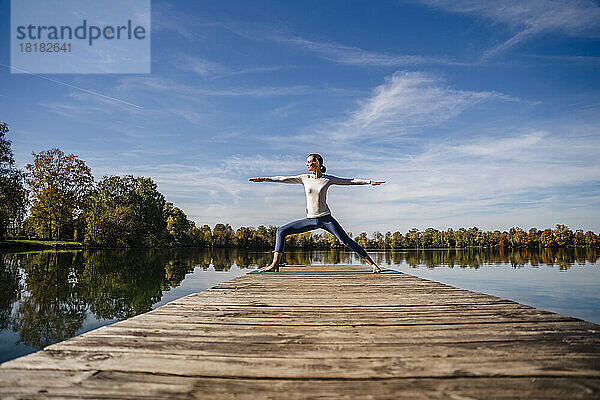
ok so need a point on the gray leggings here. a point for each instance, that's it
(326, 222)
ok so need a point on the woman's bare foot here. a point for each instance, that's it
(274, 266)
(269, 268)
(370, 261)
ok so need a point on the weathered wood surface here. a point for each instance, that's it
(322, 336)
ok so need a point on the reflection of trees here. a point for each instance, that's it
(202, 257)
(10, 287)
(175, 271)
(244, 258)
(222, 259)
(123, 283)
(564, 259)
(109, 283)
(302, 257)
(54, 309)
(475, 257)
(332, 256)
(463, 258)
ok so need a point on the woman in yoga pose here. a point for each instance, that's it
(318, 214)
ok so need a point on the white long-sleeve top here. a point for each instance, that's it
(316, 190)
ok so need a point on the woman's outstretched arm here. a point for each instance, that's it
(279, 179)
(347, 181)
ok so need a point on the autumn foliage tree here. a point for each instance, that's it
(547, 238)
(60, 185)
(563, 236)
(181, 230)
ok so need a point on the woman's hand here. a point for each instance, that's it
(377, 183)
(256, 179)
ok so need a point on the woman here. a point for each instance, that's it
(318, 214)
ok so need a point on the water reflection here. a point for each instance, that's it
(54, 308)
(10, 289)
(46, 297)
(472, 258)
(475, 258)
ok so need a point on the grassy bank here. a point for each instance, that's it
(39, 244)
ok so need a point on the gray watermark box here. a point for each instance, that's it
(80, 36)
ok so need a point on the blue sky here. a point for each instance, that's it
(475, 113)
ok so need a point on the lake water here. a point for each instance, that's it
(49, 296)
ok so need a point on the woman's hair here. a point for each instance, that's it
(320, 160)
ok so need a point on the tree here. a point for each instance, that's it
(517, 237)
(305, 240)
(362, 240)
(547, 238)
(412, 238)
(243, 236)
(13, 194)
(591, 239)
(579, 238)
(205, 236)
(563, 235)
(533, 238)
(460, 237)
(430, 238)
(448, 238)
(397, 240)
(388, 240)
(378, 240)
(178, 225)
(223, 235)
(127, 211)
(59, 185)
(332, 241)
(475, 236)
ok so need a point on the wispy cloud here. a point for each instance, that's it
(352, 55)
(408, 102)
(227, 135)
(81, 104)
(285, 110)
(192, 116)
(529, 18)
(503, 148)
(200, 66)
(158, 84)
(210, 69)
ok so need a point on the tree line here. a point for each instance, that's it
(57, 198)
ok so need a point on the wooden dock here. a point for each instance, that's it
(322, 332)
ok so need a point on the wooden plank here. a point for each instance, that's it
(254, 312)
(349, 320)
(350, 334)
(265, 366)
(18, 384)
(336, 301)
(476, 349)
